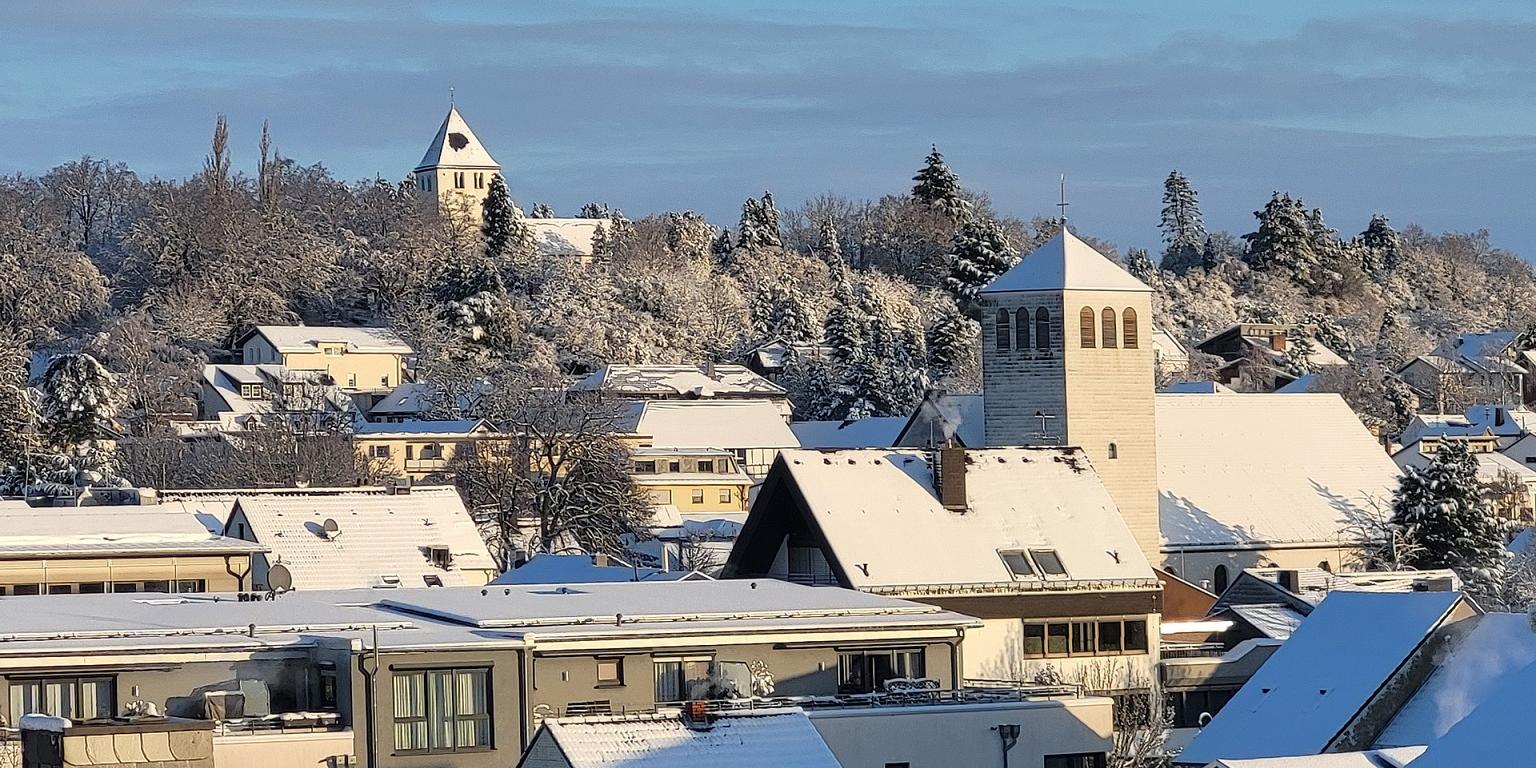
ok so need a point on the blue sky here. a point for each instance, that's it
(1420, 110)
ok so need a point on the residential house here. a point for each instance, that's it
(770, 359)
(1508, 485)
(1258, 356)
(1507, 424)
(93, 549)
(455, 176)
(709, 382)
(365, 363)
(1169, 355)
(1250, 480)
(699, 483)
(456, 676)
(1335, 684)
(1026, 539)
(1370, 758)
(413, 537)
(421, 449)
(236, 397)
(1470, 369)
(752, 430)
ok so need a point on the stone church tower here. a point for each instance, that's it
(1067, 360)
(456, 171)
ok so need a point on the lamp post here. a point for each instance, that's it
(1009, 733)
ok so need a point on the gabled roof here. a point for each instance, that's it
(1065, 263)
(873, 432)
(43, 532)
(764, 738)
(1318, 681)
(380, 535)
(1252, 470)
(694, 381)
(712, 424)
(308, 338)
(456, 145)
(943, 415)
(1496, 731)
(884, 524)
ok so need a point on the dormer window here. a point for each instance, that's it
(332, 350)
(253, 391)
(1033, 564)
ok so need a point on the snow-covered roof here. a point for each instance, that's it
(380, 535)
(873, 432)
(1277, 622)
(42, 532)
(1492, 467)
(308, 338)
(723, 424)
(1196, 388)
(1496, 420)
(1065, 262)
(764, 738)
(884, 522)
(456, 145)
(564, 237)
(1482, 650)
(423, 428)
(1251, 470)
(719, 380)
(1496, 732)
(1483, 351)
(1317, 682)
(545, 568)
(1399, 757)
(1301, 385)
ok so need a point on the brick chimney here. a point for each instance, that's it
(951, 479)
(1278, 341)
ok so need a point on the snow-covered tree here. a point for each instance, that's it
(79, 398)
(721, 246)
(1441, 511)
(845, 321)
(1382, 243)
(688, 234)
(1140, 265)
(600, 247)
(981, 253)
(594, 210)
(1182, 224)
(621, 231)
(827, 245)
(505, 232)
(950, 339)
(1284, 240)
(938, 187)
(758, 226)
(541, 211)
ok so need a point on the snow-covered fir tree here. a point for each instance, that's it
(621, 231)
(1139, 264)
(949, 341)
(1283, 241)
(1182, 224)
(758, 226)
(1441, 517)
(79, 398)
(600, 249)
(1383, 244)
(505, 232)
(845, 318)
(541, 211)
(1298, 355)
(935, 182)
(768, 224)
(594, 210)
(721, 246)
(981, 253)
(827, 246)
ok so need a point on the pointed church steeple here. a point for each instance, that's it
(456, 146)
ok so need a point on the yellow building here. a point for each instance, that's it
(357, 360)
(692, 482)
(419, 449)
(96, 549)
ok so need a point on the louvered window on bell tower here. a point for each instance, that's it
(1111, 337)
(1042, 328)
(1004, 332)
(1085, 327)
(1021, 323)
(1128, 329)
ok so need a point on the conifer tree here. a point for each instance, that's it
(594, 210)
(720, 248)
(1140, 265)
(949, 339)
(79, 397)
(1440, 514)
(845, 324)
(981, 253)
(500, 225)
(541, 211)
(600, 249)
(621, 231)
(749, 234)
(768, 222)
(1182, 224)
(935, 182)
(1283, 242)
(1383, 244)
(827, 246)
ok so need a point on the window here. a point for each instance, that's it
(1220, 579)
(1114, 452)
(1109, 637)
(807, 565)
(1018, 563)
(661, 496)
(1004, 331)
(163, 587)
(868, 671)
(1193, 709)
(1128, 329)
(77, 698)
(725, 495)
(1056, 642)
(1085, 330)
(332, 351)
(1022, 320)
(1108, 321)
(676, 678)
(442, 710)
(1083, 635)
(1077, 760)
(707, 466)
(378, 451)
(352, 380)
(698, 496)
(186, 586)
(61, 589)
(1049, 562)
(610, 671)
(674, 466)
(93, 588)
(253, 391)
(479, 181)
(1135, 636)
(1034, 641)
(124, 586)
(458, 179)
(1042, 329)
(410, 452)
(645, 467)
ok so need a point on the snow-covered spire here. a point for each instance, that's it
(455, 146)
(1066, 262)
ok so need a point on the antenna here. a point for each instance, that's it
(450, 97)
(1063, 204)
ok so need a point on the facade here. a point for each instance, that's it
(235, 397)
(1067, 360)
(695, 484)
(93, 549)
(1258, 356)
(418, 450)
(454, 676)
(1507, 484)
(750, 429)
(1471, 369)
(455, 174)
(359, 361)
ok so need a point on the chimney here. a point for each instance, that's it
(709, 368)
(1290, 581)
(950, 477)
(600, 560)
(1278, 341)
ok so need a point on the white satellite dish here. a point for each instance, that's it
(279, 578)
(332, 528)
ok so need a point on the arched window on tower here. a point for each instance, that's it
(1128, 329)
(1042, 329)
(1021, 319)
(1111, 337)
(1221, 580)
(1004, 332)
(1085, 327)
(1114, 451)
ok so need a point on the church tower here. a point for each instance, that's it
(456, 171)
(1067, 360)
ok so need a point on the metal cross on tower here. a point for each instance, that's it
(1043, 436)
(1063, 204)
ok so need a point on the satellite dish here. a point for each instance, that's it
(332, 528)
(280, 578)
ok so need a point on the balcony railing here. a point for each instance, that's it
(977, 692)
(1191, 650)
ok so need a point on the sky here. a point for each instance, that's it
(1419, 110)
